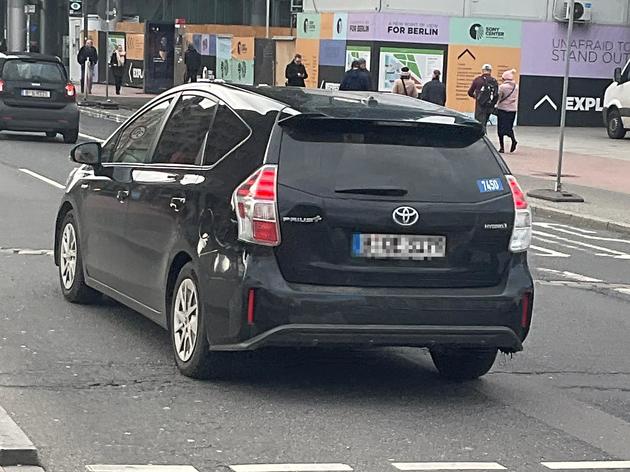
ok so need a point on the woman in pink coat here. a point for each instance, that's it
(507, 108)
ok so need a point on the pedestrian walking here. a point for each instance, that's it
(405, 85)
(356, 79)
(434, 91)
(117, 63)
(87, 58)
(192, 59)
(485, 91)
(296, 72)
(507, 106)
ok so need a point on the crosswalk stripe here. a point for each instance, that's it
(610, 252)
(419, 466)
(291, 468)
(587, 465)
(548, 252)
(139, 468)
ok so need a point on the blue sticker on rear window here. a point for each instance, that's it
(490, 185)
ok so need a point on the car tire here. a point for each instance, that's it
(71, 137)
(71, 276)
(51, 134)
(187, 319)
(615, 125)
(463, 364)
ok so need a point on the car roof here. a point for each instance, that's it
(32, 56)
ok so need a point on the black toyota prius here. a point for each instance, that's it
(240, 218)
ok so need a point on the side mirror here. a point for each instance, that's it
(618, 75)
(86, 153)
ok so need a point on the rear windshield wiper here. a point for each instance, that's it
(378, 191)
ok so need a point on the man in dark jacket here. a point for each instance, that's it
(296, 72)
(87, 53)
(192, 59)
(434, 91)
(485, 91)
(357, 78)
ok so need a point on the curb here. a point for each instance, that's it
(15, 447)
(584, 220)
(104, 115)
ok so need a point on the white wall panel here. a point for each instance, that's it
(442, 7)
(517, 9)
(342, 5)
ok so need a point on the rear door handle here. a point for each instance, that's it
(122, 195)
(177, 203)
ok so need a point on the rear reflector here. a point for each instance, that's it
(522, 232)
(1, 85)
(71, 91)
(251, 301)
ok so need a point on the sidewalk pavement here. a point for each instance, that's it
(594, 166)
(129, 98)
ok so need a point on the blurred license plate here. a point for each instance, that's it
(36, 93)
(398, 246)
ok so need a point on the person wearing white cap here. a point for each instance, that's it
(485, 91)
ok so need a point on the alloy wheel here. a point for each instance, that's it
(68, 256)
(186, 319)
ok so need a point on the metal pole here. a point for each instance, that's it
(85, 21)
(28, 33)
(106, 58)
(267, 20)
(565, 93)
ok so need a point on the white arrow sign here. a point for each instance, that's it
(547, 99)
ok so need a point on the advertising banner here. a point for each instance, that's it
(134, 73)
(159, 57)
(196, 40)
(540, 101)
(308, 25)
(340, 26)
(361, 26)
(242, 65)
(487, 32)
(332, 52)
(205, 45)
(354, 53)
(596, 49)
(412, 28)
(421, 63)
(309, 48)
(135, 47)
(224, 58)
(465, 63)
(326, 25)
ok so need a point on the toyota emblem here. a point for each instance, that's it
(406, 216)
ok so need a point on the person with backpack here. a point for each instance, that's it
(405, 85)
(356, 79)
(485, 91)
(507, 107)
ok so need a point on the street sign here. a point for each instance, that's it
(30, 9)
(75, 8)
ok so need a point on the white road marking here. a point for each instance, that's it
(557, 225)
(605, 252)
(548, 252)
(544, 240)
(291, 468)
(140, 468)
(26, 252)
(625, 291)
(91, 138)
(448, 466)
(582, 234)
(570, 275)
(587, 465)
(43, 178)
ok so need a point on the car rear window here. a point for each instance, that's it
(33, 71)
(430, 163)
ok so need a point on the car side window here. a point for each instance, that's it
(625, 76)
(107, 152)
(137, 138)
(228, 131)
(186, 132)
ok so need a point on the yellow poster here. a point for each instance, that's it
(309, 48)
(243, 49)
(135, 47)
(326, 28)
(465, 63)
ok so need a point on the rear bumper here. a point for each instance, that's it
(309, 315)
(39, 119)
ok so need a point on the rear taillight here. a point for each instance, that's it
(522, 233)
(71, 91)
(255, 204)
(1, 86)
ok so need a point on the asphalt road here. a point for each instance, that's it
(97, 384)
